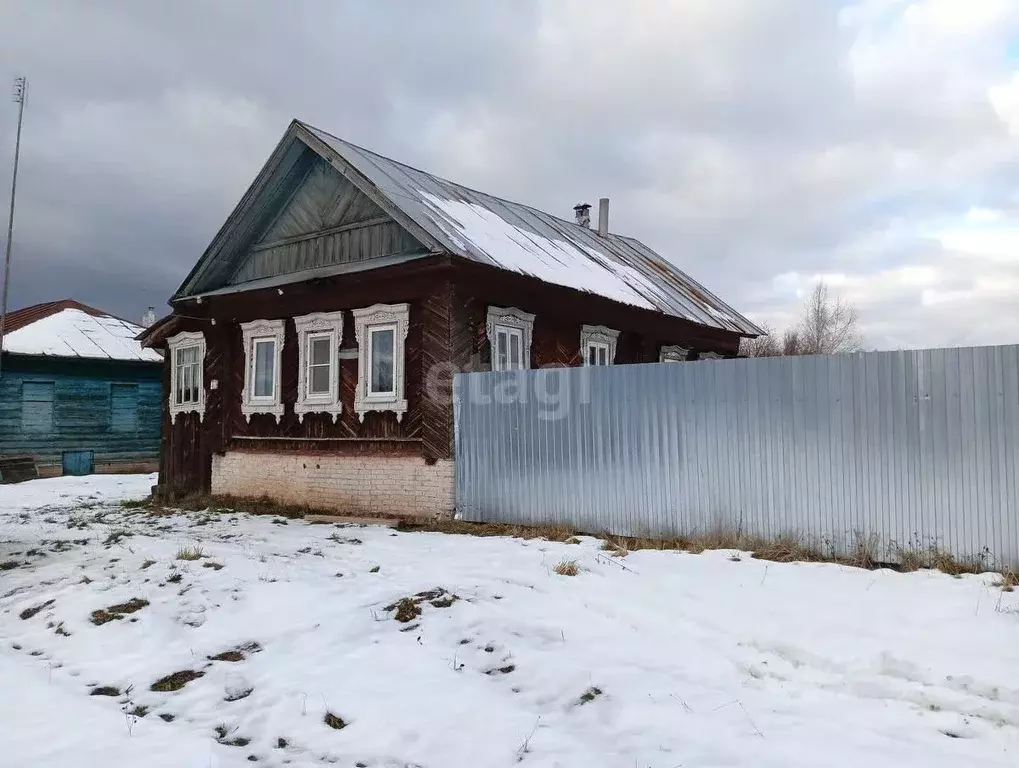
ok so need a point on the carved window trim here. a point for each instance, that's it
(709, 356)
(257, 331)
(598, 336)
(183, 341)
(512, 319)
(319, 325)
(673, 353)
(398, 317)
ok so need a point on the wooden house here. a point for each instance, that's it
(78, 393)
(310, 351)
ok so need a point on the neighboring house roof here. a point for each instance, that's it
(448, 217)
(68, 328)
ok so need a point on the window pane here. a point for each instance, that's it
(318, 380)
(514, 354)
(319, 352)
(500, 350)
(381, 361)
(265, 352)
(602, 356)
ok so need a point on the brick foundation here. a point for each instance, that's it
(374, 485)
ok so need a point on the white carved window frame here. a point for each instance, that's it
(673, 353)
(179, 342)
(255, 331)
(314, 326)
(601, 337)
(709, 356)
(396, 316)
(511, 319)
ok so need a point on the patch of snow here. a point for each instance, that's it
(73, 333)
(476, 228)
(656, 659)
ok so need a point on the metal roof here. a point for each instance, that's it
(68, 328)
(518, 238)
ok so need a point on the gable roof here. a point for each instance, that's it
(448, 217)
(68, 328)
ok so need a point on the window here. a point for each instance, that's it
(124, 407)
(673, 354)
(509, 333)
(381, 332)
(598, 344)
(708, 356)
(263, 344)
(318, 389)
(187, 359)
(37, 406)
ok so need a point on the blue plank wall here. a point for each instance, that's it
(53, 406)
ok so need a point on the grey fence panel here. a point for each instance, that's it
(908, 449)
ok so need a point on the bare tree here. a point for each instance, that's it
(765, 345)
(792, 343)
(830, 325)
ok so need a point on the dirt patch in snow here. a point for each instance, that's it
(240, 653)
(409, 608)
(119, 611)
(30, 612)
(334, 721)
(105, 690)
(176, 681)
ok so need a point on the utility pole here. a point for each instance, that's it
(20, 90)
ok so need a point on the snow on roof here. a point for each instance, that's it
(74, 333)
(521, 239)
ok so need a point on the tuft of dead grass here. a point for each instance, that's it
(190, 553)
(409, 608)
(212, 564)
(175, 681)
(105, 690)
(240, 653)
(117, 612)
(549, 532)
(589, 695)
(334, 721)
(9, 565)
(567, 568)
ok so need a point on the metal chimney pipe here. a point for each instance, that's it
(603, 217)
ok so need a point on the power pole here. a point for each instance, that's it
(20, 90)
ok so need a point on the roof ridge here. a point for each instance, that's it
(443, 179)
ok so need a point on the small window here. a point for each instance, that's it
(319, 336)
(263, 379)
(509, 333)
(509, 345)
(597, 353)
(37, 406)
(598, 345)
(187, 358)
(319, 364)
(124, 407)
(263, 343)
(381, 353)
(381, 332)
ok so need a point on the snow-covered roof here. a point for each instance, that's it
(522, 239)
(73, 332)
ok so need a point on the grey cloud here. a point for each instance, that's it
(730, 134)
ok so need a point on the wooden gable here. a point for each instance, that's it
(327, 221)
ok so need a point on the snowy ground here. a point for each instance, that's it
(659, 659)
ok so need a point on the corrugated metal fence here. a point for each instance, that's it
(910, 449)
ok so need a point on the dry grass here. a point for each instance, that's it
(117, 612)
(176, 681)
(190, 553)
(567, 568)
(865, 551)
(9, 565)
(30, 612)
(334, 721)
(105, 690)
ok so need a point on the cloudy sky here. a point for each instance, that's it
(759, 144)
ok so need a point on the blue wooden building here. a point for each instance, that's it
(78, 394)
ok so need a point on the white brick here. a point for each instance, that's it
(386, 485)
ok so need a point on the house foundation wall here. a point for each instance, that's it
(404, 486)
